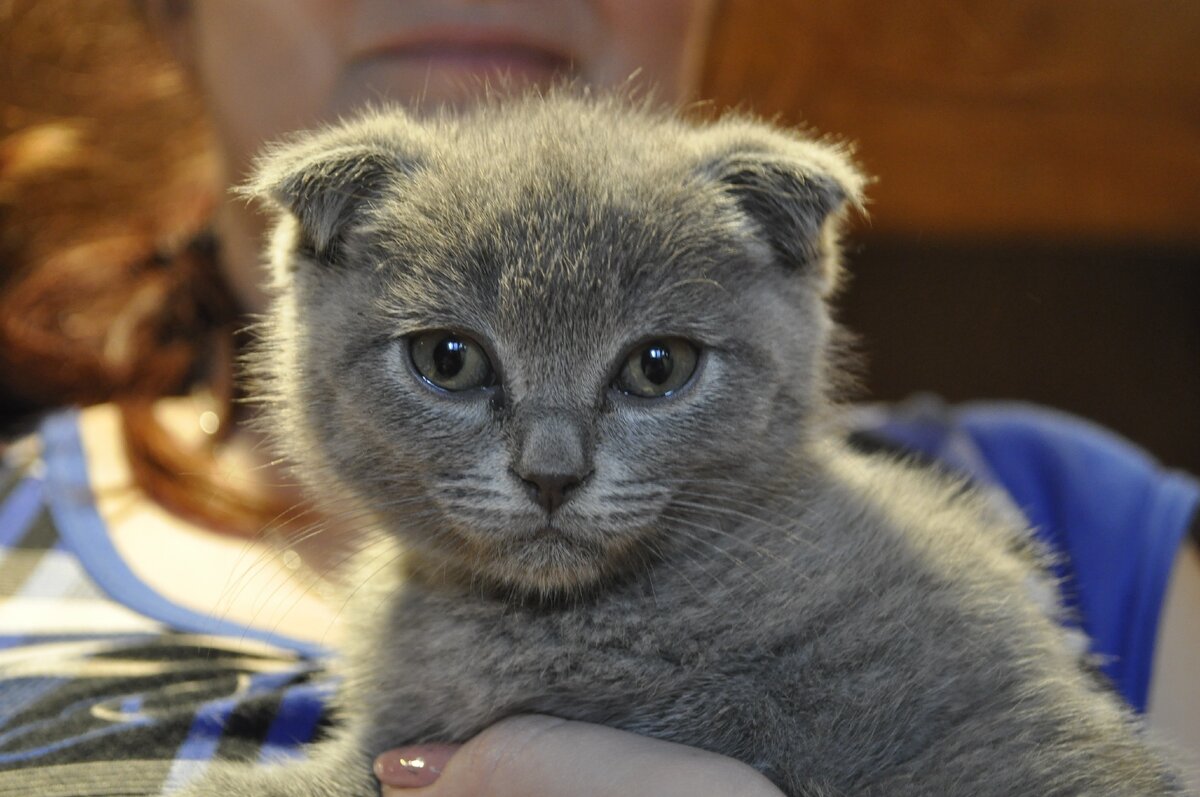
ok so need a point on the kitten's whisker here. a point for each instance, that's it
(695, 556)
(742, 565)
(392, 560)
(344, 522)
(259, 536)
(265, 601)
(790, 530)
(316, 579)
(272, 552)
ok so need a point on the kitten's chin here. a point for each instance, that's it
(546, 562)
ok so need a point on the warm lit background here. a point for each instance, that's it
(1034, 231)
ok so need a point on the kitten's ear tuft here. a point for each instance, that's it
(795, 192)
(325, 180)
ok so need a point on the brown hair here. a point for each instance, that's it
(109, 289)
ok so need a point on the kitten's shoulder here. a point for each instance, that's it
(936, 512)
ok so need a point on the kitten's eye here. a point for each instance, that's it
(451, 361)
(657, 368)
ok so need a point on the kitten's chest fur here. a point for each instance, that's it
(466, 661)
(783, 622)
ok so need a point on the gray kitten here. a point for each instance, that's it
(573, 357)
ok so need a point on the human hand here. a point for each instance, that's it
(538, 756)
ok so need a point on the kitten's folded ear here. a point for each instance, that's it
(794, 192)
(326, 179)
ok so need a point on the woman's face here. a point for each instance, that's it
(269, 67)
(272, 66)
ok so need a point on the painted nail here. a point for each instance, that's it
(412, 767)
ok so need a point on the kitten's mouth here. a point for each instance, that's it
(545, 558)
(550, 540)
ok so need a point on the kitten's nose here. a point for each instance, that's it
(553, 457)
(550, 489)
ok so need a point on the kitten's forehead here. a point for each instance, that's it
(559, 261)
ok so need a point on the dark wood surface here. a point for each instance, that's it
(1072, 118)
(1109, 333)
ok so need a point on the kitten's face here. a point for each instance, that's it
(539, 350)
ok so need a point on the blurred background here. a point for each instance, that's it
(1034, 233)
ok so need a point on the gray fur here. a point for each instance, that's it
(727, 575)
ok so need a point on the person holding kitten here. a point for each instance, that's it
(399, 51)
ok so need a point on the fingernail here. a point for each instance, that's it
(412, 767)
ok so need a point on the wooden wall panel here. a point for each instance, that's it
(995, 118)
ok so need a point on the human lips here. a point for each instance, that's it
(474, 51)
